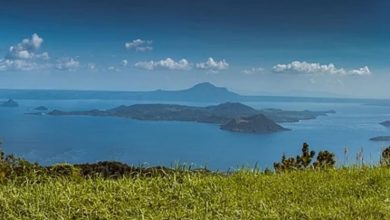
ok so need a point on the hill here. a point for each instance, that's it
(348, 193)
(252, 124)
(114, 190)
(385, 123)
(9, 103)
(218, 114)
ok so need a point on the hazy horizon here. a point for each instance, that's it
(295, 94)
(278, 48)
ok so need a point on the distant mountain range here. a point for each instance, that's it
(202, 92)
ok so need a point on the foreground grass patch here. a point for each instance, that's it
(349, 193)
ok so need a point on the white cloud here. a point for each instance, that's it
(183, 64)
(139, 45)
(91, 66)
(168, 63)
(44, 56)
(253, 70)
(315, 68)
(68, 64)
(361, 71)
(26, 49)
(35, 41)
(24, 57)
(213, 65)
(125, 63)
(22, 65)
(113, 69)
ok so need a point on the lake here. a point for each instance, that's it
(78, 139)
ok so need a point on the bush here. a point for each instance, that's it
(64, 170)
(12, 166)
(385, 158)
(114, 170)
(325, 159)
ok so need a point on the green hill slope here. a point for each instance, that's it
(348, 193)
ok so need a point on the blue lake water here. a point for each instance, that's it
(75, 139)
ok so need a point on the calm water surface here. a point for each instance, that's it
(75, 139)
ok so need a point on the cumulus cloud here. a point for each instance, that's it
(68, 64)
(183, 64)
(361, 71)
(26, 49)
(113, 69)
(91, 66)
(168, 63)
(24, 56)
(314, 68)
(125, 63)
(44, 56)
(22, 65)
(253, 70)
(213, 65)
(139, 45)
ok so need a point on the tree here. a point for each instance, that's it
(385, 158)
(325, 159)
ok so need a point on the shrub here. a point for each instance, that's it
(325, 159)
(106, 169)
(64, 170)
(385, 158)
(12, 166)
(304, 160)
(115, 170)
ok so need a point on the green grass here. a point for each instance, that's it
(345, 193)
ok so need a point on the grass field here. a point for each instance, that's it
(344, 193)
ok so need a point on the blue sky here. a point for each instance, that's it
(278, 47)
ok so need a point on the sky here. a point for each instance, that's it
(337, 48)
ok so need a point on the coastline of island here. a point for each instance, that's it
(230, 116)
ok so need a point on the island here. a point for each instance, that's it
(282, 116)
(258, 121)
(380, 138)
(385, 123)
(252, 124)
(41, 108)
(9, 103)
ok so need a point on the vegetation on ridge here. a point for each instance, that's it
(75, 192)
(325, 159)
